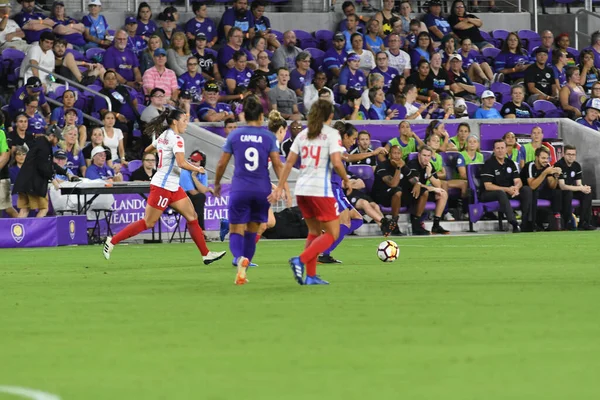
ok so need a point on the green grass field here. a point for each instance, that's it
(471, 317)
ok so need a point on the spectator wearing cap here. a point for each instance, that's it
(31, 184)
(516, 107)
(12, 35)
(335, 58)
(135, 42)
(196, 184)
(147, 170)
(173, 11)
(487, 110)
(512, 60)
(146, 26)
(283, 99)
(302, 75)
(539, 78)
(122, 103)
(185, 103)
(36, 123)
(240, 17)
(235, 39)
(351, 76)
(285, 56)
(592, 112)
(167, 29)
(353, 109)
(192, 81)
(460, 83)
(99, 170)
(40, 54)
(69, 145)
(157, 105)
(312, 91)
(60, 158)
(123, 61)
(32, 23)
(178, 53)
(262, 24)
(96, 140)
(238, 77)
(207, 61)
(398, 59)
(160, 76)
(211, 110)
(67, 28)
(572, 95)
(33, 88)
(96, 26)
(58, 116)
(201, 24)
(5, 199)
(437, 25)
(460, 108)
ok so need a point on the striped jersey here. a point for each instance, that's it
(167, 171)
(316, 169)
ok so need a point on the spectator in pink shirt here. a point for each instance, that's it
(159, 76)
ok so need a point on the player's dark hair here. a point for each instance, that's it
(317, 116)
(347, 4)
(363, 132)
(276, 121)
(569, 147)
(498, 141)
(144, 4)
(196, 6)
(256, 4)
(432, 125)
(540, 150)
(350, 129)
(30, 99)
(238, 54)
(425, 147)
(465, 125)
(253, 109)
(340, 126)
(156, 125)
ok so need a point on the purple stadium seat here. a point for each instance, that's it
(486, 154)
(364, 172)
(530, 39)
(574, 51)
(76, 54)
(316, 56)
(450, 158)
(490, 54)
(543, 106)
(134, 164)
(502, 91)
(11, 60)
(479, 89)
(278, 35)
(324, 38)
(375, 144)
(488, 38)
(471, 108)
(93, 52)
(412, 156)
(500, 35)
(498, 106)
(305, 39)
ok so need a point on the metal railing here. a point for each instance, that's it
(75, 84)
(578, 14)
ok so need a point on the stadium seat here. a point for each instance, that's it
(375, 144)
(479, 89)
(211, 51)
(278, 35)
(543, 107)
(324, 38)
(364, 172)
(11, 60)
(488, 38)
(94, 53)
(79, 56)
(316, 56)
(500, 35)
(530, 39)
(486, 154)
(490, 54)
(502, 91)
(498, 106)
(471, 108)
(305, 39)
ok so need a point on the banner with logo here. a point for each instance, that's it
(42, 232)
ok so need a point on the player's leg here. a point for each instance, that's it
(23, 205)
(345, 228)
(418, 207)
(441, 199)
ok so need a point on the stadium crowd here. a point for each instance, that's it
(390, 66)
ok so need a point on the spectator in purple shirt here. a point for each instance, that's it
(235, 39)
(66, 27)
(475, 65)
(238, 16)
(334, 59)
(122, 60)
(351, 76)
(388, 73)
(36, 124)
(436, 23)
(99, 170)
(75, 160)
(211, 110)
(122, 103)
(238, 77)
(33, 88)
(192, 81)
(32, 23)
(513, 60)
(201, 24)
(135, 42)
(262, 24)
(302, 76)
(146, 27)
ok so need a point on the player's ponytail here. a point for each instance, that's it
(319, 113)
(253, 109)
(276, 121)
(156, 126)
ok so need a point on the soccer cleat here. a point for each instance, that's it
(242, 265)
(327, 259)
(108, 248)
(438, 230)
(223, 228)
(213, 256)
(298, 269)
(418, 230)
(385, 227)
(315, 280)
(252, 265)
(516, 228)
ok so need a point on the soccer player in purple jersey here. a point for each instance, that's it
(252, 146)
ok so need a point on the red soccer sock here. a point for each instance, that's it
(309, 239)
(257, 239)
(319, 245)
(197, 236)
(130, 230)
(311, 267)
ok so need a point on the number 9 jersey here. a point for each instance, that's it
(167, 170)
(251, 146)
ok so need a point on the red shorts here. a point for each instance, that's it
(160, 198)
(324, 209)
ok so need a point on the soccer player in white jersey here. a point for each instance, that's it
(164, 187)
(320, 148)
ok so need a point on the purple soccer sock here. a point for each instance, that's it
(344, 230)
(249, 245)
(236, 245)
(355, 224)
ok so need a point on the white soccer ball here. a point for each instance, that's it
(388, 251)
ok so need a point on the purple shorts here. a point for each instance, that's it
(247, 207)
(340, 197)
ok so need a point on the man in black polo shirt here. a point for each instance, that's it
(386, 188)
(364, 146)
(570, 183)
(539, 78)
(501, 183)
(415, 192)
(543, 181)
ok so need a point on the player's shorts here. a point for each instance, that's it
(160, 198)
(357, 195)
(247, 207)
(385, 198)
(340, 197)
(32, 202)
(5, 199)
(324, 209)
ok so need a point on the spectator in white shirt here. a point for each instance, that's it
(39, 54)
(11, 36)
(311, 92)
(398, 58)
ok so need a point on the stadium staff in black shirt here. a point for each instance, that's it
(386, 188)
(416, 192)
(501, 183)
(542, 178)
(570, 183)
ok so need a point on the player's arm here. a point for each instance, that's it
(362, 156)
(275, 195)
(338, 166)
(184, 164)
(150, 149)
(278, 167)
(534, 183)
